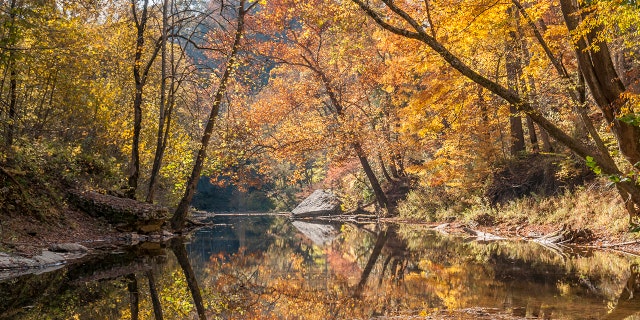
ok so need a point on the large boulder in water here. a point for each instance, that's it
(319, 203)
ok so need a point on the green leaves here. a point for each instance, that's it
(631, 118)
(591, 163)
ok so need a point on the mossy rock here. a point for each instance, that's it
(132, 214)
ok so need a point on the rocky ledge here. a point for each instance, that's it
(126, 214)
(51, 259)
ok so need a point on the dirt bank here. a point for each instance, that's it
(26, 236)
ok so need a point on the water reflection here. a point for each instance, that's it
(268, 268)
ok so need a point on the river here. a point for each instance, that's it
(269, 267)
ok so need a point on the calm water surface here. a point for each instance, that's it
(266, 267)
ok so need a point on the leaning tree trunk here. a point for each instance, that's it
(371, 176)
(603, 82)
(381, 198)
(180, 215)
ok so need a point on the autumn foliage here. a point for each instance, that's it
(364, 96)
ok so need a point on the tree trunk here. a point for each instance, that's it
(135, 152)
(13, 102)
(140, 73)
(546, 142)
(393, 167)
(157, 159)
(516, 131)
(13, 78)
(385, 173)
(178, 219)
(533, 137)
(138, 76)
(381, 198)
(371, 176)
(527, 84)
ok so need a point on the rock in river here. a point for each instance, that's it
(319, 203)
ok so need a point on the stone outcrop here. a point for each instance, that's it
(68, 248)
(125, 213)
(319, 203)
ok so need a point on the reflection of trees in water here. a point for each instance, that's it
(629, 299)
(177, 246)
(388, 271)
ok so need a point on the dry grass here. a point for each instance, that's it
(595, 206)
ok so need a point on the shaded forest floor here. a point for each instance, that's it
(28, 236)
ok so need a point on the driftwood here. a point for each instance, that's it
(482, 236)
(566, 235)
(128, 214)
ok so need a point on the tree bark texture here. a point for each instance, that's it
(516, 132)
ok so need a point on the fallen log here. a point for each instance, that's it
(127, 214)
(566, 235)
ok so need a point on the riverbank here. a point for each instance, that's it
(594, 214)
(27, 236)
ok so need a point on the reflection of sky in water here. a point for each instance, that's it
(338, 269)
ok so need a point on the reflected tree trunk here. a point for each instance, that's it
(155, 299)
(375, 254)
(177, 246)
(629, 299)
(134, 300)
(384, 269)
